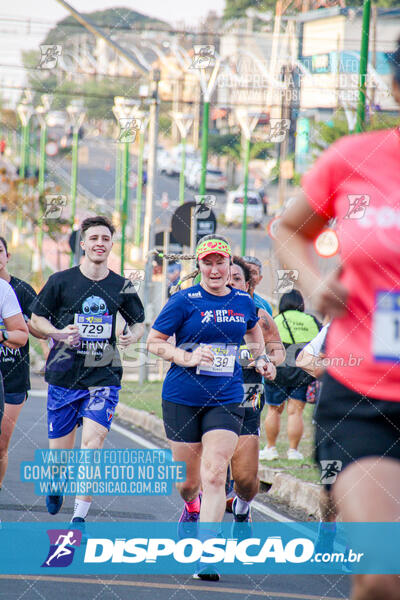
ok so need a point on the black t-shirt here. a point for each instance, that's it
(14, 364)
(69, 297)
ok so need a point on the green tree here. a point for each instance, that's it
(324, 133)
(236, 9)
(110, 19)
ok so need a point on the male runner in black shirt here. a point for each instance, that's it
(77, 308)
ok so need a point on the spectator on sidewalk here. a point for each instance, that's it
(255, 267)
(296, 329)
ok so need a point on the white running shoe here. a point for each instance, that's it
(293, 454)
(268, 453)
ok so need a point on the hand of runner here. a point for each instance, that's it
(332, 296)
(69, 335)
(201, 356)
(266, 368)
(126, 338)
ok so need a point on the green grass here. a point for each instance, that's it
(305, 469)
(148, 397)
(144, 397)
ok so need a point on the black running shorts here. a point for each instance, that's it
(189, 423)
(350, 426)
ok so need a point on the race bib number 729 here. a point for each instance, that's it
(92, 327)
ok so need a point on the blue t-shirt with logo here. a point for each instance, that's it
(197, 317)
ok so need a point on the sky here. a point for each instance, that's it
(18, 36)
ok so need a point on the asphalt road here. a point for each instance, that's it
(19, 503)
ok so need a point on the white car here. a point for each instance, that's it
(57, 118)
(234, 208)
(215, 179)
(163, 158)
(173, 164)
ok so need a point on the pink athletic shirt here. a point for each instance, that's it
(357, 180)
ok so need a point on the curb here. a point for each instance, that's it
(298, 494)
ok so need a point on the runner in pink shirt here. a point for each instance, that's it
(357, 181)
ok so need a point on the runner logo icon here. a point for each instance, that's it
(330, 469)
(61, 551)
(358, 204)
(208, 316)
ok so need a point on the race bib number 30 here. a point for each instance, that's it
(386, 326)
(224, 360)
(91, 327)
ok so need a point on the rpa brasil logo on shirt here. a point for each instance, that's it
(62, 542)
(222, 316)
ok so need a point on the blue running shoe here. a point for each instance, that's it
(54, 504)
(188, 523)
(242, 527)
(79, 523)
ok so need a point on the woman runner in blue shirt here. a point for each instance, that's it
(203, 389)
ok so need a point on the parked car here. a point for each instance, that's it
(163, 158)
(234, 208)
(57, 118)
(215, 179)
(260, 190)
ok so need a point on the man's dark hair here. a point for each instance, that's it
(291, 301)
(3, 241)
(96, 222)
(237, 260)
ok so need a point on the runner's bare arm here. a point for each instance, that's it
(35, 332)
(69, 335)
(311, 364)
(273, 345)
(131, 334)
(17, 331)
(157, 343)
(300, 225)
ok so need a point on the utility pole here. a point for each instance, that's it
(286, 113)
(148, 233)
(374, 10)
(363, 67)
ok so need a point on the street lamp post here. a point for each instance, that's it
(363, 66)
(118, 161)
(124, 110)
(184, 122)
(144, 118)
(148, 232)
(248, 122)
(25, 112)
(207, 89)
(41, 111)
(77, 116)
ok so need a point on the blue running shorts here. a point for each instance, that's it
(66, 408)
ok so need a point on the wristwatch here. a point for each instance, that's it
(5, 335)
(264, 357)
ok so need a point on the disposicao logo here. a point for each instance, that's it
(62, 547)
(190, 550)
